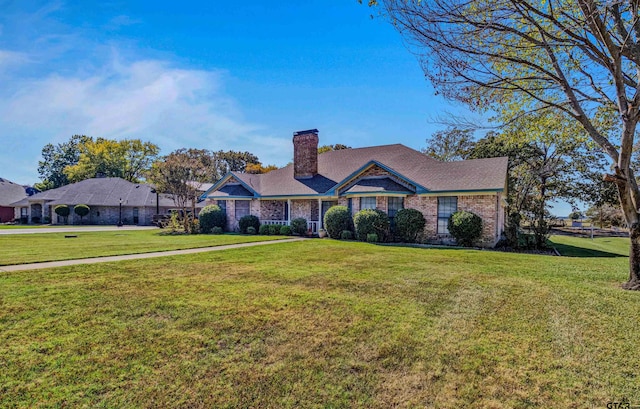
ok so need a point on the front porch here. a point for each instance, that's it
(281, 212)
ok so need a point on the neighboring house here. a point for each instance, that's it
(388, 178)
(110, 200)
(9, 193)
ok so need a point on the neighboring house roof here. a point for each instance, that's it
(101, 192)
(338, 168)
(10, 192)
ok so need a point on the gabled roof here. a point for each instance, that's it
(100, 192)
(10, 192)
(336, 168)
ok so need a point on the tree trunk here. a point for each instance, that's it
(634, 259)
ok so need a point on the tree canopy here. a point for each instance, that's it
(580, 59)
(55, 158)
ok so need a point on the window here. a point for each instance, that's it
(367, 203)
(222, 204)
(446, 207)
(350, 206)
(242, 208)
(393, 205)
(136, 218)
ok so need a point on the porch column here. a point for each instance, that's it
(319, 214)
(288, 212)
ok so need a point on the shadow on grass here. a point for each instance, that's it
(567, 250)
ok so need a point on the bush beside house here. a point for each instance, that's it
(336, 220)
(212, 216)
(465, 227)
(371, 221)
(410, 225)
(249, 221)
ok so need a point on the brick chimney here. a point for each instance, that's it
(305, 154)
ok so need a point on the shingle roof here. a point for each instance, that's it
(431, 174)
(10, 192)
(101, 192)
(377, 185)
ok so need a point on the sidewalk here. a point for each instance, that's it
(73, 229)
(108, 259)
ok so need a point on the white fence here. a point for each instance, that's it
(311, 226)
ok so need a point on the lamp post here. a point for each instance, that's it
(120, 217)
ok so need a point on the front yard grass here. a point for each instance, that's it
(322, 323)
(34, 247)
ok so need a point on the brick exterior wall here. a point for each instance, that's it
(486, 206)
(305, 154)
(272, 209)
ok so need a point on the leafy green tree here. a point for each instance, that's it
(129, 159)
(181, 175)
(55, 158)
(225, 162)
(329, 148)
(450, 144)
(516, 57)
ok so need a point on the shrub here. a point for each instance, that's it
(264, 230)
(299, 226)
(274, 229)
(286, 231)
(212, 216)
(465, 227)
(346, 235)
(249, 221)
(81, 210)
(62, 211)
(372, 238)
(35, 219)
(216, 230)
(193, 225)
(369, 221)
(251, 230)
(336, 220)
(409, 225)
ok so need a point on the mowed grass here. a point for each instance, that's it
(322, 324)
(35, 247)
(597, 247)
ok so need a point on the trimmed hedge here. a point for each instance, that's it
(217, 230)
(212, 216)
(264, 230)
(370, 221)
(299, 226)
(465, 227)
(286, 231)
(251, 230)
(62, 210)
(372, 238)
(274, 229)
(248, 221)
(409, 225)
(336, 220)
(81, 210)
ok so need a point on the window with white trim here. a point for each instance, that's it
(447, 205)
(367, 203)
(242, 208)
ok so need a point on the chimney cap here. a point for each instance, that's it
(308, 131)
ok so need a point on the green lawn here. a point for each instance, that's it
(597, 247)
(322, 324)
(35, 247)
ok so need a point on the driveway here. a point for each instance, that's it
(72, 229)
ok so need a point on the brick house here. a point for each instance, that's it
(110, 201)
(389, 178)
(9, 193)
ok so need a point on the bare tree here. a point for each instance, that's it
(579, 58)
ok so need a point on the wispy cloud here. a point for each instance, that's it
(150, 100)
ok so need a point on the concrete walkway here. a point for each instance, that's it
(108, 259)
(73, 229)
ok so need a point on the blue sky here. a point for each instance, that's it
(214, 75)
